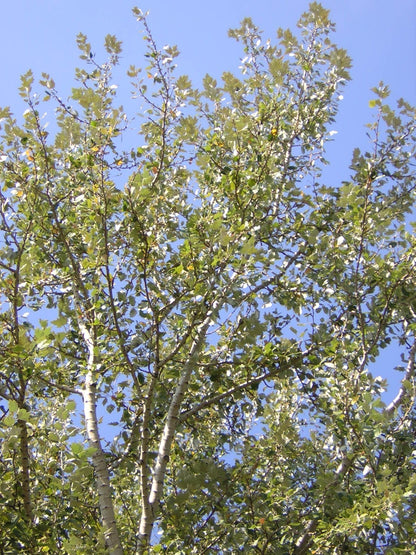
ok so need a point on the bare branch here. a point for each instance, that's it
(62, 387)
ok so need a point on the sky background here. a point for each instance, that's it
(379, 35)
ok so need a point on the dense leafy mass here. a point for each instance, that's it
(188, 324)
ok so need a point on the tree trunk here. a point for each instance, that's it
(101, 471)
(149, 515)
(105, 500)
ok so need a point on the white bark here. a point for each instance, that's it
(409, 376)
(149, 516)
(147, 513)
(98, 458)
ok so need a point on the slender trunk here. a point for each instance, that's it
(146, 516)
(101, 470)
(99, 462)
(149, 516)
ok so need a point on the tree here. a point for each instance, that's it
(188, 324)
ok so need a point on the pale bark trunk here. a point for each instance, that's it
(102, 477)
(151, 506)
(146, 516)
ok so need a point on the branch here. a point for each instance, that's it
(172, 419)
(231, 391)
(65, 388)
(410, 373)
(178, 346)
(245, 385)
(6, 267)
(110, 286)
(304, 542)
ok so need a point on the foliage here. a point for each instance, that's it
(187, 325)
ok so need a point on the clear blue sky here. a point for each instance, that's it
(380, 35)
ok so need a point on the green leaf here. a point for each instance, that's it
(9, 420)
(248, 246)
(13, 406)
(23, 414)
(77, 448)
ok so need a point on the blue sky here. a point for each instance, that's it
(380, 36)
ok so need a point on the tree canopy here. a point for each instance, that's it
(192, 319)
